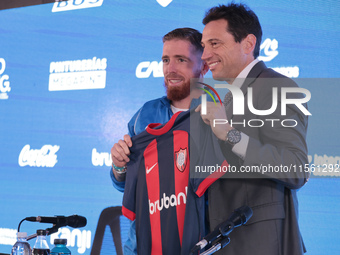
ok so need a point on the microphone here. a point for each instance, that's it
(74, 221)
(239, 217)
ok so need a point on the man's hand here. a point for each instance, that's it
(216, 117)
(119, 153)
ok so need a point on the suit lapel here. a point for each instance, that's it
(252, 76)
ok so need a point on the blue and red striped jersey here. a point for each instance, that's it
(160, 193)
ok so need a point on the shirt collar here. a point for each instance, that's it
(238, 82)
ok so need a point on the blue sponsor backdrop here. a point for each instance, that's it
(72, 74)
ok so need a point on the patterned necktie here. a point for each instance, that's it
(227, 99)
(228, 106)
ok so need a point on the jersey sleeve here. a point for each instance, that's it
(129, 198)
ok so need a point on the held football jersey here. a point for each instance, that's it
(167, 205)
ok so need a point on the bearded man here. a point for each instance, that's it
(182, 51)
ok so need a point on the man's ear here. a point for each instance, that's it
(204, 68)
(248, 44)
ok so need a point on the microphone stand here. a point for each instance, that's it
(224, 230)
(50, 231)
(31, 237)
(219, 237)
(220, 244)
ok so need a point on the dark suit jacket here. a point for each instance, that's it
(273, 228)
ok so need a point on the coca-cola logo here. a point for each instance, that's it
(44, 157)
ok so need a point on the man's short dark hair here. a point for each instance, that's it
(186, 33)
(242, 21)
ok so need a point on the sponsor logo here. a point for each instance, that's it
(148, 170)
(168, 201)
(44, 157)
(4, 80)
(145, 68)
(61, 6)
(78, 74)
(101, 158)
(269, 48)
(75, 238)
(164, 3)
(181, 159)
(289, 71)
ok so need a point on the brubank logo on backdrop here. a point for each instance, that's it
(268, 52)
(4, 80)
(78, 74)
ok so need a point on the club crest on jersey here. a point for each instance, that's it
(181, 159)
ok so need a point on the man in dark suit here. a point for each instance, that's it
(251, 141)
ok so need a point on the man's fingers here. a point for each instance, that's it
(128, 140)
(117, 159)
(119, 153)
(123, 149)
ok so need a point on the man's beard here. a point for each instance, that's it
(177, 93)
